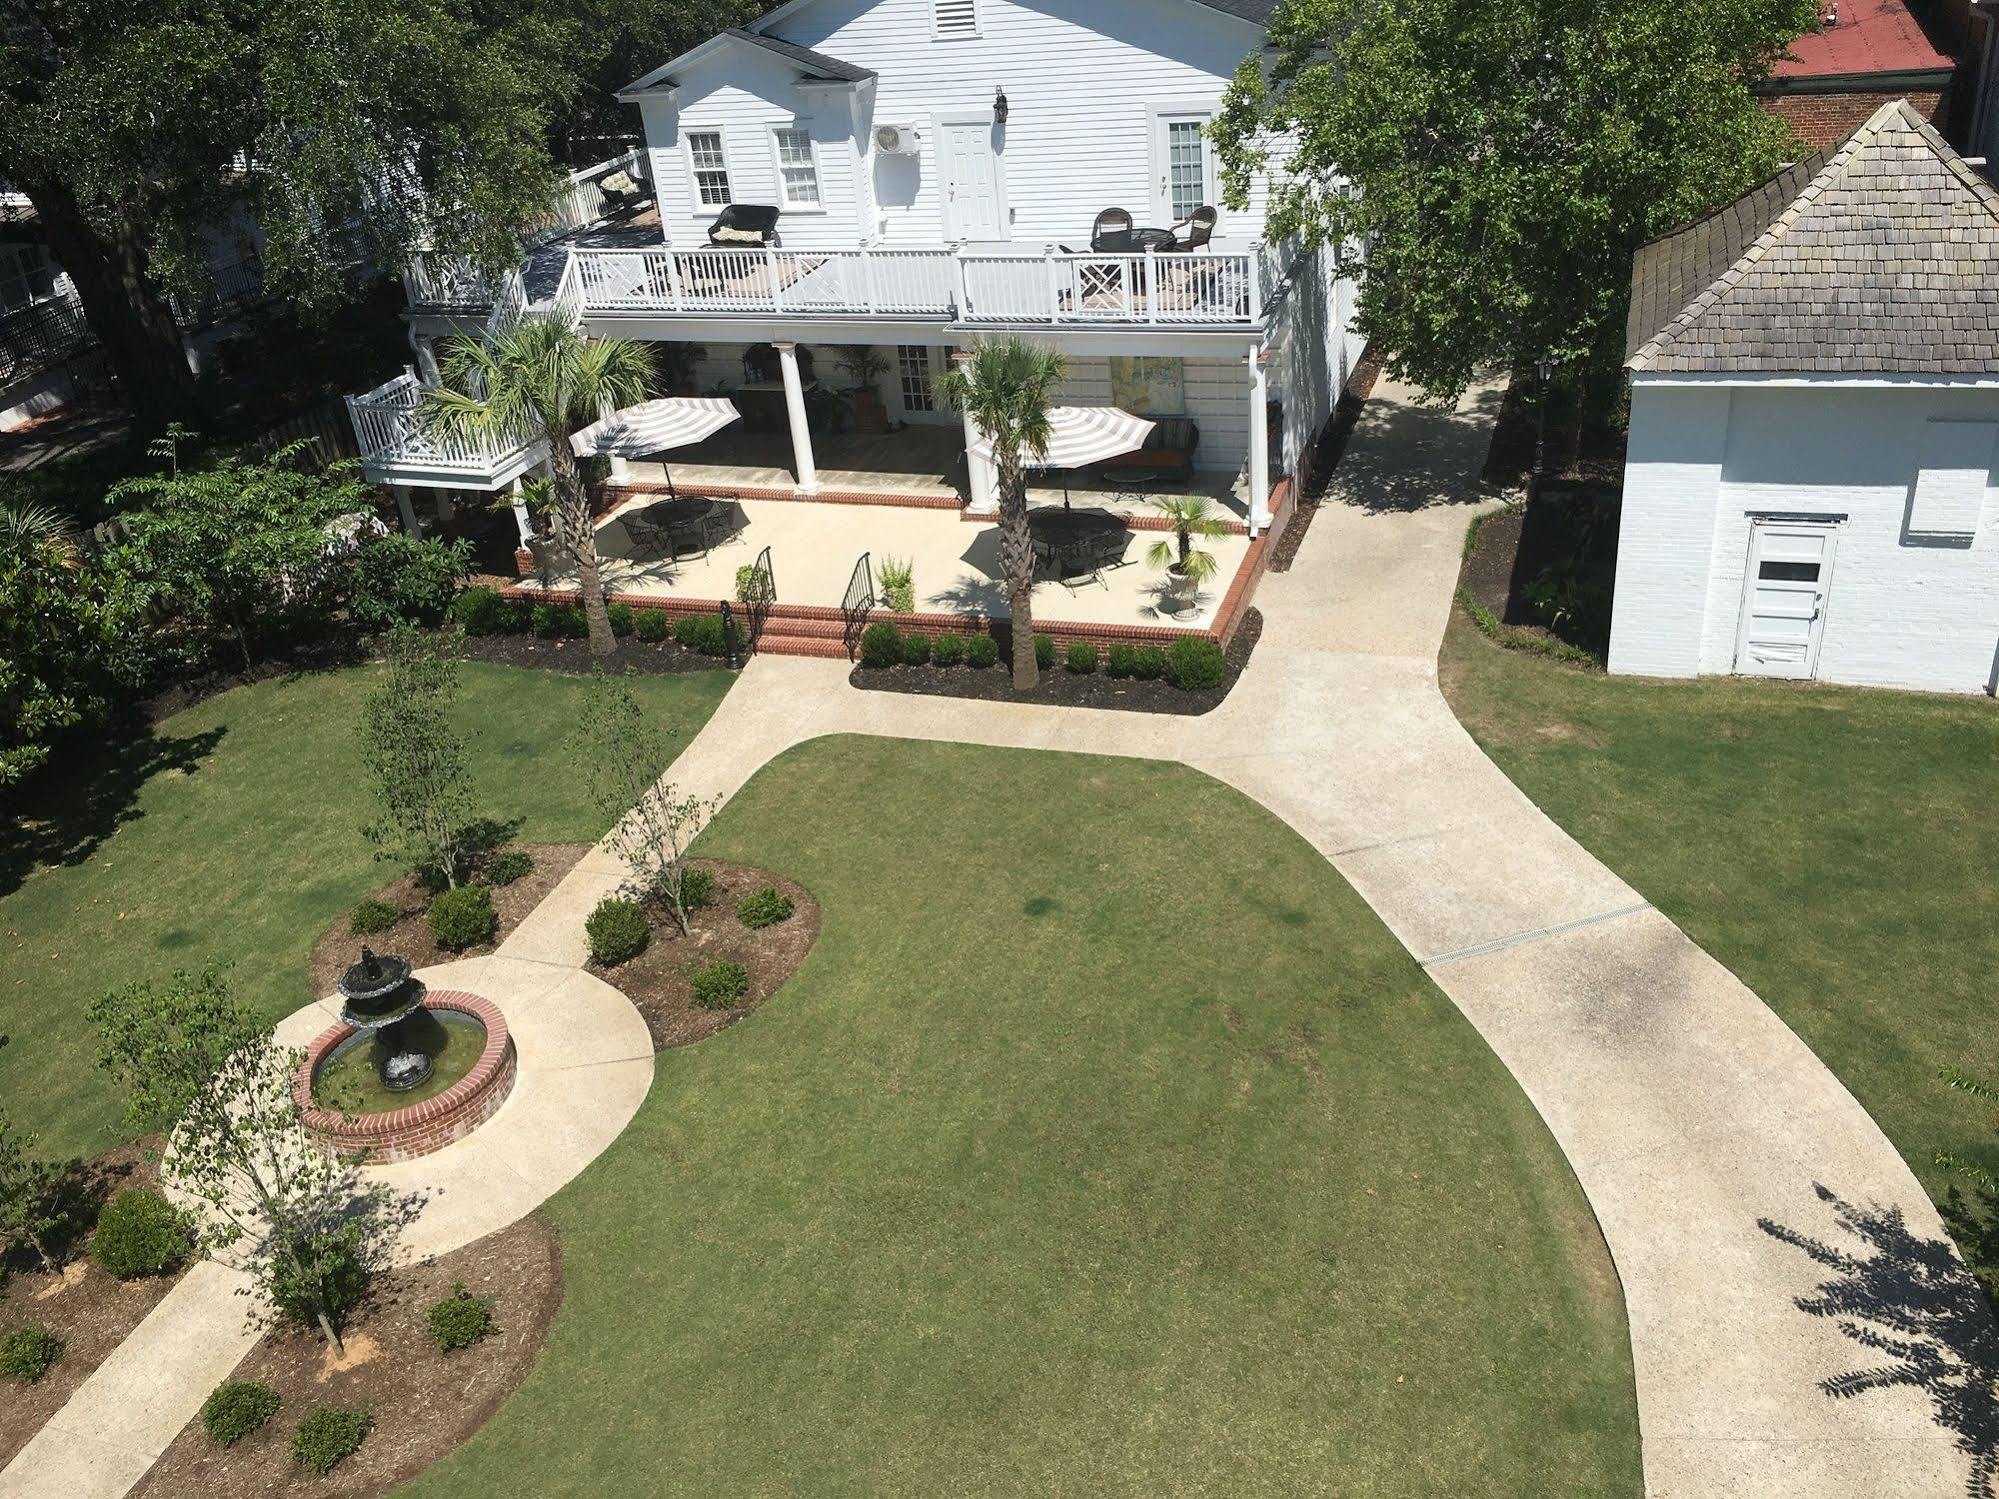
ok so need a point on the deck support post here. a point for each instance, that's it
(402, 494)
(425, 350)
(523, 522)
(980, 478)
(794, 410)
(621, 467)
(1259, 443)
(440, 504)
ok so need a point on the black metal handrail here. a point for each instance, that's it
(857, 603)
(758, 593)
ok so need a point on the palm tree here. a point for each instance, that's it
(31, 528)
(1007, 387)
(542, 372)
(1188, 515)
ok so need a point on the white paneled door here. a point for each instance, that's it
(974, 182)
(1784, 598)
(1183, 164)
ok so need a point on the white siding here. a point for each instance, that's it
(1082, 78)
(1314, 349)
(1904, 609)
(1217, 399)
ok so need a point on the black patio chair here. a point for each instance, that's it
(647, 538)
(1200, 229)
(1110, 221)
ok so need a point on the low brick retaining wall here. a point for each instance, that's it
(404, 1134)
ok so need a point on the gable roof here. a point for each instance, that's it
(814, 66)
(1877, 259)
(1256, 12)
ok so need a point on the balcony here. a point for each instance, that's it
(398, 448)
(1207, 289)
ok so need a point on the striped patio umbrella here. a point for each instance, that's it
(1080, 435)
(655, 426)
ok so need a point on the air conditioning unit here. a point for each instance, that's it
(896, 140)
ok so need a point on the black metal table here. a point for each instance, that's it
(1077, 543)
(1133, 241)
(680, 513)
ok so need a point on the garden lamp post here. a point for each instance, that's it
(1544, 369)
(735, 659)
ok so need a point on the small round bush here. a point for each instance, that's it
(460, 1320)
(1044, 652)
(617, 930)
(1150, 663)
(505, 868)
(624, 619)
(652, 627)
(981, 652)
(236, 1408)
(766, 908)
(328, 1436)
(140, 1233)
(701, 632)
(948, 649)
(484, 611)
(916, 650)
(1194, 664)
(463, 917)
(881, 644)
(1082, 658)
(1121, 660)
(373, 916)
(27, 1353)
(697, 888)
(720, 984)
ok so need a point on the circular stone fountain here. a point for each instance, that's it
(406, 1071)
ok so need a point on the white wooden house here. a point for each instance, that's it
(1809, 486)
(937, 167)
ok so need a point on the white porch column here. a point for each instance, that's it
(981, 478)
(522, 521)
(621, 468)
(794, 410)
(1259, 443)
(402, 494)
(426, 358)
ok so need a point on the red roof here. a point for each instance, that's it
(1871, 36)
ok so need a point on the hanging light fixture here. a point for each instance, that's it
(999, 106)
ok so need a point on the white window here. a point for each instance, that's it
(913, 364)
(953, 20)
(711, 168)
(1956, 467)
(797, 171)
(27, 275)
(1186, 167)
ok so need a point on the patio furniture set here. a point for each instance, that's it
(1070, 545)
(686, 527)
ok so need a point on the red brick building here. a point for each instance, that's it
(1866, 53)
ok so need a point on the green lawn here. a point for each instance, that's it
(1106, 1143)
(233, 834)
(1834, 847)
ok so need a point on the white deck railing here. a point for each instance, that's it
(390, 433)
(1202, 288)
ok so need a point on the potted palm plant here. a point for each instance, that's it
(865, 366)
(1187, 566)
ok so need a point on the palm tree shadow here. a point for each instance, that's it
(1911, 1303)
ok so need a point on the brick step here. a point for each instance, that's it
(771, 643)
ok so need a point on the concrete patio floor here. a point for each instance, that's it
(814, 548)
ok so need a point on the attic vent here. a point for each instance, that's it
(956, 18)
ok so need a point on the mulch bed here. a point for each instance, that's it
(90, 1310)
(657, 980)
(1511, 549)
(425, 1403)
(1331, 447)
(667, 658)
(410, 937)
(1063, 688)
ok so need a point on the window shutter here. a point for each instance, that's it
(1950, 485)
(957, 18)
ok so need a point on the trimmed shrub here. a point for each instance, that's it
(767, 907)
(617, 930)
(652, 627)
(697, 888)
(898, 583)
(460, 1320)
(1194, 664)
(948, 649)
(373, 916)
(480, 610)
(399, 577)
(720, 984)
(27, 1353)
(701, 632)
(140, 1233)
(324, 1273)
(505, 868)
(1044, 652)
(881, 644)
(328, 1437)
(753, 585)
(916, 650)
(235, 1408)
(559, 621)
(981, 652)
(1121, 660)
(623, 618)
(1082, 658)
(463, 917)
(1149, 664)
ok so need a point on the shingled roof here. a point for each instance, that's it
(1878, 259)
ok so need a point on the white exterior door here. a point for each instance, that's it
(1784, 598)
(974, 185)
(1183, 165)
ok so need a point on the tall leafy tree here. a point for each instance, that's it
(541, 374)
(1500, 162)
(1007, 387)
(137, 127)
(416, 759)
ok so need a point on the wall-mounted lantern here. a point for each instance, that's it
(999, 106)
